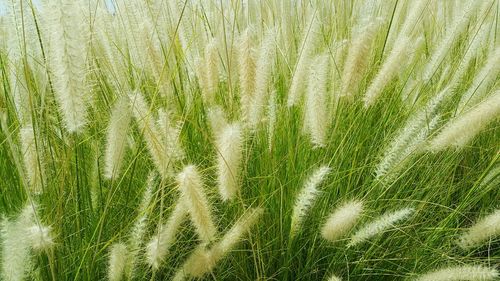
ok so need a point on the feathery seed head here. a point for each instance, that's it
(40, 237)
(203, 260)
(211, 71)
(118, 260)
(67, 54)
(152, 134)
(234, 235)
(334, 278)
(31, 158)
(464, 272)
(199, 262)
(263, 75)
(485, 77)
(317, 119)
(158, 247)
(230, 153)
(484, 229)
(154, 252)
(247, 70)
(342, 220)
(356, 60)
(170, 135)
(388, 71)
(139, 228)
(217, 119)
(304, 56)
(379, 225)
(16, 258)
(307, 197)
(189, 178)
(411, 137)
(116, 141)
(191, 187)
(461, 130)
(458, 26)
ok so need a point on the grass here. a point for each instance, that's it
(88, 213)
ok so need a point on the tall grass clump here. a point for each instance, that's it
(249, 140)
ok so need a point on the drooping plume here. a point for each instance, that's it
(138, 230)
(236, 232)
(411, 138)
(22, 52)
(379, 225)
(473, 50)
(411, 20)
(152, 134)
(389, 69)
(198, 263)
(487, 76)
(461, 130)
(447, 42)
(484, 229)
(342, 220)
(461, 273)
(136, 38)
(306, 197)
(157, 248)
(191, 187)
(203, 260)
